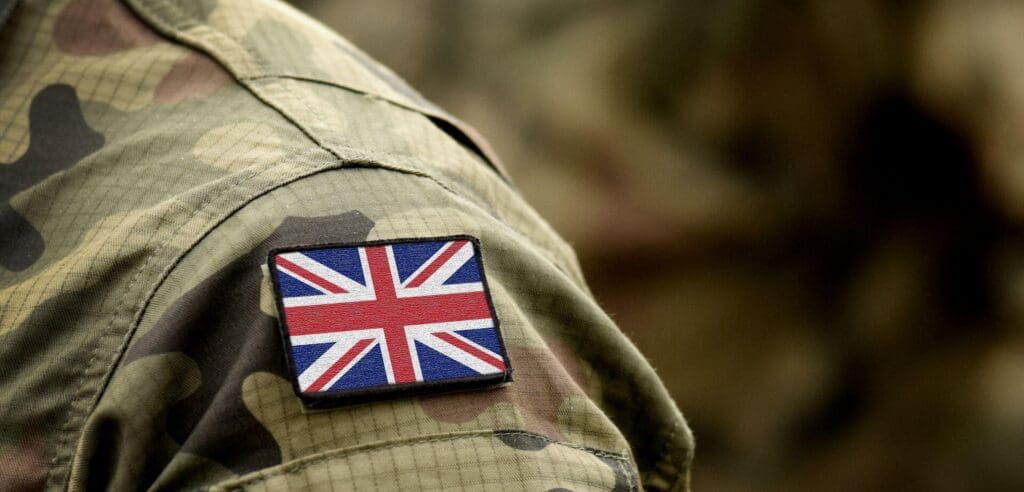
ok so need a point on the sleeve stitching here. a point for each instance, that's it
(300, 464)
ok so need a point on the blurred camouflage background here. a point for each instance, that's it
(807, 214)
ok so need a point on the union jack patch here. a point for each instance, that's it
(411, 315)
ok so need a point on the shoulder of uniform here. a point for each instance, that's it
(268, 40)
(256, 39)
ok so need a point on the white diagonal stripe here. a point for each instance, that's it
(451, 266)
(343, 342)
(430, 260)
(321, 364)
(420, 332)
(457, 354)
(475, 345)
(300, 278)
(323, 272)
(352, 364)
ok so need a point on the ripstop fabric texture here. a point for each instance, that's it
(153, 154)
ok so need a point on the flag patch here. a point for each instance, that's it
(387, 317)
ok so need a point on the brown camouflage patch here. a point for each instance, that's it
(192, 77)
(541, 384)
(24, 466)
(580, 372)
(100, 27)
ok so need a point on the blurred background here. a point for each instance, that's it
(807, 214)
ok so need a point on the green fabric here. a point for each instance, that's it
(152, 153)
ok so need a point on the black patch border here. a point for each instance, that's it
(327, 399)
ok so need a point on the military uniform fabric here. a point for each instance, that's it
(153, 152)
(6, 7)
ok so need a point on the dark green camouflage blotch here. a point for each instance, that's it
(59, 137)
(220, 326)
(523, 441)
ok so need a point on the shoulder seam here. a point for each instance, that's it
(301, 463)
(184, 22)
(168, 19)
(138, 310)
(276, 82)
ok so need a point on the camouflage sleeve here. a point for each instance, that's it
(154, 153)
(204, 391)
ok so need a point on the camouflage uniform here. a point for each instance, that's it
(152, 152)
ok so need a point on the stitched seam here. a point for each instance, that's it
(628, 474)
(73, 413)
(110, 330)
(375, 159)
(347, 88)
(129, 332)
(300, 464)
(548, 255)
(272, 81)
(412, 108)
(182, 23)
(363, 159)
(667, 459)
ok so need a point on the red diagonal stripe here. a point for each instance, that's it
(471, 350)
(449, 251)
(308, 275)
(339, 365)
